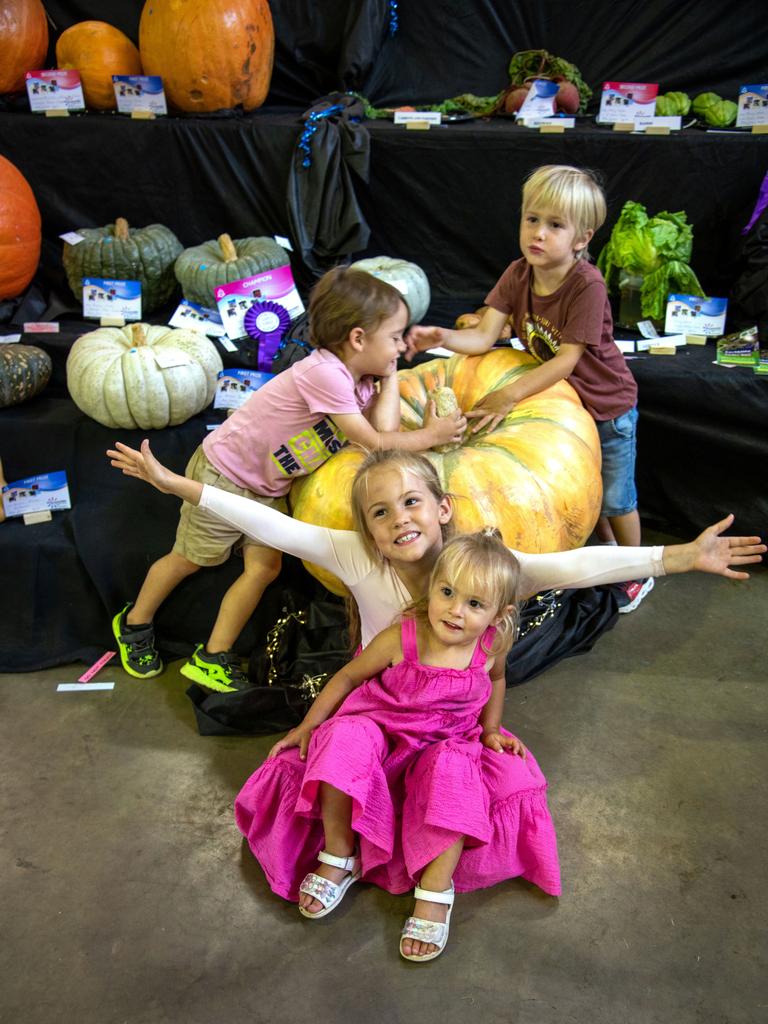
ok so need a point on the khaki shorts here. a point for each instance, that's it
(203, 538)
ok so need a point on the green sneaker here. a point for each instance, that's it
(222, 672)
(137, 647)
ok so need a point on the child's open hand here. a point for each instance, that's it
(710, 552)
(444, 429)
(142, 464)
(298, 737)
(419, 339)
(501, 743)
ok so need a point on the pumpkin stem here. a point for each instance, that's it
(138, 334)
(121, 228)
(228, 250)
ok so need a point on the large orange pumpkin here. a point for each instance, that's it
(98, 51)
(211, 54)
(536, 476)
(19, 231)
(23, 41)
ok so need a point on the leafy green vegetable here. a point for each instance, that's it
(480, 106)
(528, 64)
(656, 248)
(673, 104)
(717, 112)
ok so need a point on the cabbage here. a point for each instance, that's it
(716, 112)
(657, 249)
(673, 104)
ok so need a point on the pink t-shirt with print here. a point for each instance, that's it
(285, 429)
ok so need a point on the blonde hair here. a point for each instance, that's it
(406, 462)
(482, 565)
(573, 192)
(344, 299)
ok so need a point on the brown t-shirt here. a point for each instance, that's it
(578, 312)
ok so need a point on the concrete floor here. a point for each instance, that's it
(127, 894)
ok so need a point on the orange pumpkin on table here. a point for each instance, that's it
(19, 231)
(536, 476)
(23, 41)
(211, 54)
(98, 51)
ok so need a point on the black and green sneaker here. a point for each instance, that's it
(137, 647)
(222, 672)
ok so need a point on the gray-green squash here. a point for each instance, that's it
(122, 253)
(203, 268)
(409, 279)
(24, 372)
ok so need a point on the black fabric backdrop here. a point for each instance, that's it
(447, 47)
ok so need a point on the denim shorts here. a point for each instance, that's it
(618, 445)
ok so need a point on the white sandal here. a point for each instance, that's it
(421, 930)
(329, 893)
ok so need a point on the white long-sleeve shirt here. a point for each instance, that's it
(378, 591)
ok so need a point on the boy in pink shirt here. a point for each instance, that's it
(287, 428)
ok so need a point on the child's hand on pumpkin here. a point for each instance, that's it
(501, 743)
(419, 339)
(444, 429)
(490, 412)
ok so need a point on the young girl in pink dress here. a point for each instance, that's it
(394, 789)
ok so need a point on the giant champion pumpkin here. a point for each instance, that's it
(19, 231)
(142, 376)
(211, 54)
(536, 476)
(98, 51)
(23, 41)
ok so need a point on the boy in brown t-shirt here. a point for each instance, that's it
(560, 310)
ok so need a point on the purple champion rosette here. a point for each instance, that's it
(266, 322)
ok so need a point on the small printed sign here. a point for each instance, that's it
(41, 328)
(540, 101)
(739, 349)
(753, 106)
(72, 237)
(9, 339)
(541, 122)
(692, 314)
(54, 90)
(234, 387)
(192, 317)
(626, 101)
(105, 298)
(644, 121)
(47, 492)
(139, 92)
(410, 116)
(282, 240)
(236, 298)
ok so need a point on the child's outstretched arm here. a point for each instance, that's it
(385, 649)
(490, 716)
(473, 341)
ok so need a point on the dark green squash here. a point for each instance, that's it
(121, 253)
(201, 269)
(24, 372)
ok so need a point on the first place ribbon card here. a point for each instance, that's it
(46, 492)
(139, 92)
(105, 298)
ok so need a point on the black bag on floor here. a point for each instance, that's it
(304, 647)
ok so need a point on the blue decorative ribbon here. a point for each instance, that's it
(311, 125)
(393, 22)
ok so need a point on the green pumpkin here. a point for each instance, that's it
(409, 279)
(120, 253)
(203, 268)
(24, 372)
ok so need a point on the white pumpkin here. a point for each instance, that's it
(409, 279)
(141, 376)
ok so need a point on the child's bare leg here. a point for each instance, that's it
(261, 567)
(603, 531)
(336, 809)
(163, 577)
(436, 877)
(626, 529)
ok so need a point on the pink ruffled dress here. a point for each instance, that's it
(405, 746)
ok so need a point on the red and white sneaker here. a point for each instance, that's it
(635, 591)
